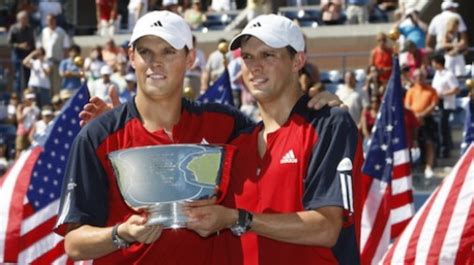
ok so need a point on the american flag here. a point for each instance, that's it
(468, 133)
(442, 231)
(387, 185)
(220, 91)
(31, 189)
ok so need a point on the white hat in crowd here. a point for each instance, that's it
(447, 4)
(30, 96)
(164, 24)
(130, 77)
(46, 112)
(275, 31)
(105, 70)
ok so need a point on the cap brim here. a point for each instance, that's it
(265, 38)
(172, 40)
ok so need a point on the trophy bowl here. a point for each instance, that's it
(160, 179)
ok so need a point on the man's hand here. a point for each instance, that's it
(319, 99)
(135, 230)
(207, 220)
(97, 106)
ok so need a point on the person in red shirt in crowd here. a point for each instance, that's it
(289, 199)
(381, 58)
(95, 220)
(106, 13)
(369, 115)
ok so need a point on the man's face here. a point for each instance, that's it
(159, 67)
(268, 71)
(51, 21)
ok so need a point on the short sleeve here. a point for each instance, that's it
(452, 80)
(84, 190)
(329, 178)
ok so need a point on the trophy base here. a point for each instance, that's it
(168, 215)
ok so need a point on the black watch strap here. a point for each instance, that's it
(117, 240)
(243, 224)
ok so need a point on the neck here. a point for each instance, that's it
(276, 112)
(158, 114)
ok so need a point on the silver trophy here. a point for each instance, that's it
(160, 179)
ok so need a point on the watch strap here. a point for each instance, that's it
(243, 224)
(117, 240)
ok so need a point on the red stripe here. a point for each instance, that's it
(28, 210)
(466, 246)
(39, 232)
(465, 253)
(402, 170)
(381, 220)
(447, 213)
(15, 215)
(398, 228)
(50, 256)
(413, 242)
(401, 199)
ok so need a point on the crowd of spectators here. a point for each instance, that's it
(48, 67)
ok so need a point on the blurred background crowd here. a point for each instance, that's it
(44, 64)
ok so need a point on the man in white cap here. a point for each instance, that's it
(102, 87)
(438, 26)
(95, 220)
(290, 198)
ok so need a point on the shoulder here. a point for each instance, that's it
(106, 124)
(326, 118)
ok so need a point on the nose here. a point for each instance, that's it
(255, 66)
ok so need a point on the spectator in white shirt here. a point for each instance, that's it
(447, 86)
(355, 99)
(136, 9)
(437, 27)
(454, 48)
(40, 127)
(55, 42)
(102, 87)
(39, 77)
(192, 77)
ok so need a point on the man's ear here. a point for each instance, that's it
(131, 56)
(299, 61)
(190, 58)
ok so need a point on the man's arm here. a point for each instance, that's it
(318, 227)
(88, 242)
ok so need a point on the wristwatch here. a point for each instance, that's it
(117, 240)
(243, 224)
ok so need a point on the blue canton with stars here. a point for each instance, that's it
(388, 134)
(48, 172)
(219, 92)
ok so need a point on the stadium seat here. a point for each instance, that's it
(324, 77)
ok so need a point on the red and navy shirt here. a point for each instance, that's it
(307, 165)
(90, 193)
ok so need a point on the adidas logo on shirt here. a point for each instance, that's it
(289, 158)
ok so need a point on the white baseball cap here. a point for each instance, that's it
(164, 24)
(274, 30)
(446, 4)
(130, 77)
(105, 70)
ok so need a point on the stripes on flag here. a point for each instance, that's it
(386, 180)
(442, 231)
(30, 193)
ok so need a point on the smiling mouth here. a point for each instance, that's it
(258, 81)
(156, 76)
